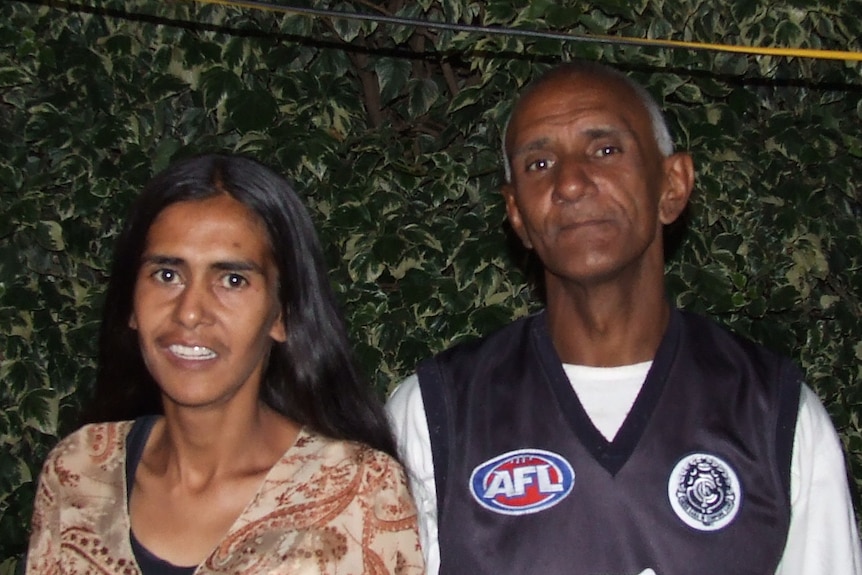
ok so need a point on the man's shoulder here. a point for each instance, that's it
(701, 326)
(713, 339)
(493, 339)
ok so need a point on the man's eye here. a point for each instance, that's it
(541, 164)
(607, 151)
(233, 281)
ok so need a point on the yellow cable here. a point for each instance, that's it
(751, 50)
(756, 50)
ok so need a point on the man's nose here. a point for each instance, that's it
(572, 181)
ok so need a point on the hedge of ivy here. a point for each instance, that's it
(390, 133)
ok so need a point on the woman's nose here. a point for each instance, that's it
(192, 305)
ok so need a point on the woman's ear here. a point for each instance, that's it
(278, 331)
(679, 181)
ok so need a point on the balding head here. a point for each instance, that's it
(583, 71)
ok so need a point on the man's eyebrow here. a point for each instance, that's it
(591, 133)
(532, 145)
(602, 132)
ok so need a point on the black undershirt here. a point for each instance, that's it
(149, 563)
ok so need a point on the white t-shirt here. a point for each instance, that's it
(822, 538)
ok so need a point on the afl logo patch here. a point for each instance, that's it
(522, 481)
(704, 491)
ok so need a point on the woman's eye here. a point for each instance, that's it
(233, 281)
(165, 276)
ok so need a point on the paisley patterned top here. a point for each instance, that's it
(326, 507)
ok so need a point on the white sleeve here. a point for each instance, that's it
(822, 536)
(407, 417)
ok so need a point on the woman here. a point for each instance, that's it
(246, 442)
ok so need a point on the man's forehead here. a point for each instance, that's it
(576, 86)
(593, 129)
(611, 103)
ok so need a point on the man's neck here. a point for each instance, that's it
(605, 326)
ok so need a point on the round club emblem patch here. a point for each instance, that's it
(522, 481)
(704, 491)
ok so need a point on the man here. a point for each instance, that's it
(611, 434)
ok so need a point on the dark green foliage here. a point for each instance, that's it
(391, 134)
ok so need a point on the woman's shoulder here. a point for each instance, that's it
(349, 496)
(96, 437)
(97, 445)
(349, 452)
(348, 474)
(315, 457)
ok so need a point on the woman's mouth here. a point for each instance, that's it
(192, 352)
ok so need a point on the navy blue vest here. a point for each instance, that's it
(696, 480)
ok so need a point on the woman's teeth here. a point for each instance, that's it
(194, 352)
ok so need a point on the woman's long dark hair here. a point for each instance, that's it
(311, 378)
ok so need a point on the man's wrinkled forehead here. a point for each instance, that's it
(573, 84)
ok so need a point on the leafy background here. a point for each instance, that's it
(391, 135)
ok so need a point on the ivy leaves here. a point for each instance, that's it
(391, 133)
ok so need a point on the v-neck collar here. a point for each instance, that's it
(611, 455)
(304, 444)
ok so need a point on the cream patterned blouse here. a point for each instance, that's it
(327, 507)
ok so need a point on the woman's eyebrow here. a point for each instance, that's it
(238, 265)
(224, 265)
(158, 259)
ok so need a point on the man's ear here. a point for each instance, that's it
(679, 181)
(133, 321)
(514, 214)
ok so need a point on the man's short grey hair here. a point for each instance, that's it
(659, 124)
